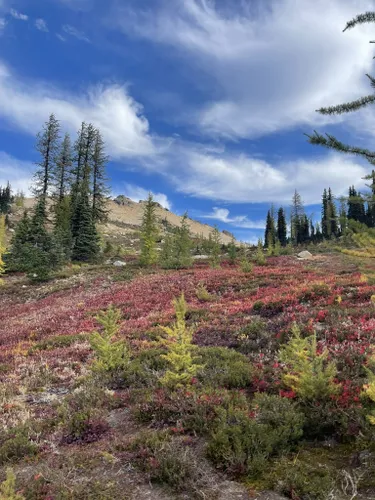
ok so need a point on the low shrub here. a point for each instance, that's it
(58, 341)
(81, 414)
(299, 479)
(254, 337)
(223, 367)
(243, 441)
(8, 488)
(16, 445)
(202, 293)
(171, 462)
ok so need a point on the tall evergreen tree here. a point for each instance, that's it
(149, 233)
(343, 217)
(47, 146)
(5, 199)
(296, 218)
(281, 227)
(100, 190)
(325, 225)
(63, 171)
(270, 232)
(215, 249)
(183, 244)
(332, 214)
(86, 246)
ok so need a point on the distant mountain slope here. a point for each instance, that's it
(125, 217)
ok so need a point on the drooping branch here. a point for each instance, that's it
(348, 107)
(330, 142)
(367, 17)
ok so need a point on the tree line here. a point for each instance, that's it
(70, 190)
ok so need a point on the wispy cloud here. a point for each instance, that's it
(74, 32)
(223, 215)
(26, 105)
(60, 37)
(41, 25)
(2, 25)
(18, 15)
(137, 193)
(18, 172)
(271, 66)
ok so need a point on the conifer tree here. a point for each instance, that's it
(296, 216)
(47, 146)
(2, 245)
(325, 224)
(63, 170)
(215, 249)
(332, 213)
(281, 227)
(5, 199)
(270, 232)
(149, 233)
(86, 246)
(100, 190)
(167, 255)
(232, 252)
(183, 244)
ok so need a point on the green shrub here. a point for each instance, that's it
(242, 442)
(15, 445)
(224, 367)
(299, 479)
(282, 416)
(321, 290)
(310, 374)
(111, 356)
(202, 293)
(239, 444)
(183, 367)
(246, 266)
(170, 462)
(258, 305)
(8, 488)
(80, 414)
(254, 337)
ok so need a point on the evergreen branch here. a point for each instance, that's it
(372, 80)
(367, 17)
(331, 142)
(348, 107)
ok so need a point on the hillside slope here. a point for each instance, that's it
(125, 217)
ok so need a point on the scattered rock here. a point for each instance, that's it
(119, 263)
(305, 255)
(198, 257)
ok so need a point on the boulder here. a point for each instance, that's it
(305, 255)
(119, 263)
(199, 257)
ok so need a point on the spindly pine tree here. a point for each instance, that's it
(296, 218)
(183, 244)
(2, 245)
(47, 146)
(149, 233)
(215, 248)
(63, 171)
(281, 227)
(270, 232)
(332, 214)
(100, 190)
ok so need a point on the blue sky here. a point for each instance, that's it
(202, 102)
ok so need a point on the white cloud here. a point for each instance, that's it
(137, 193)
(60, 37)
(41, 25)
(267, 68)
(237, 178)
(19, 173)
(72, 31)
(120, 118)
(2, 25)
(222, 215)
(18, 15)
